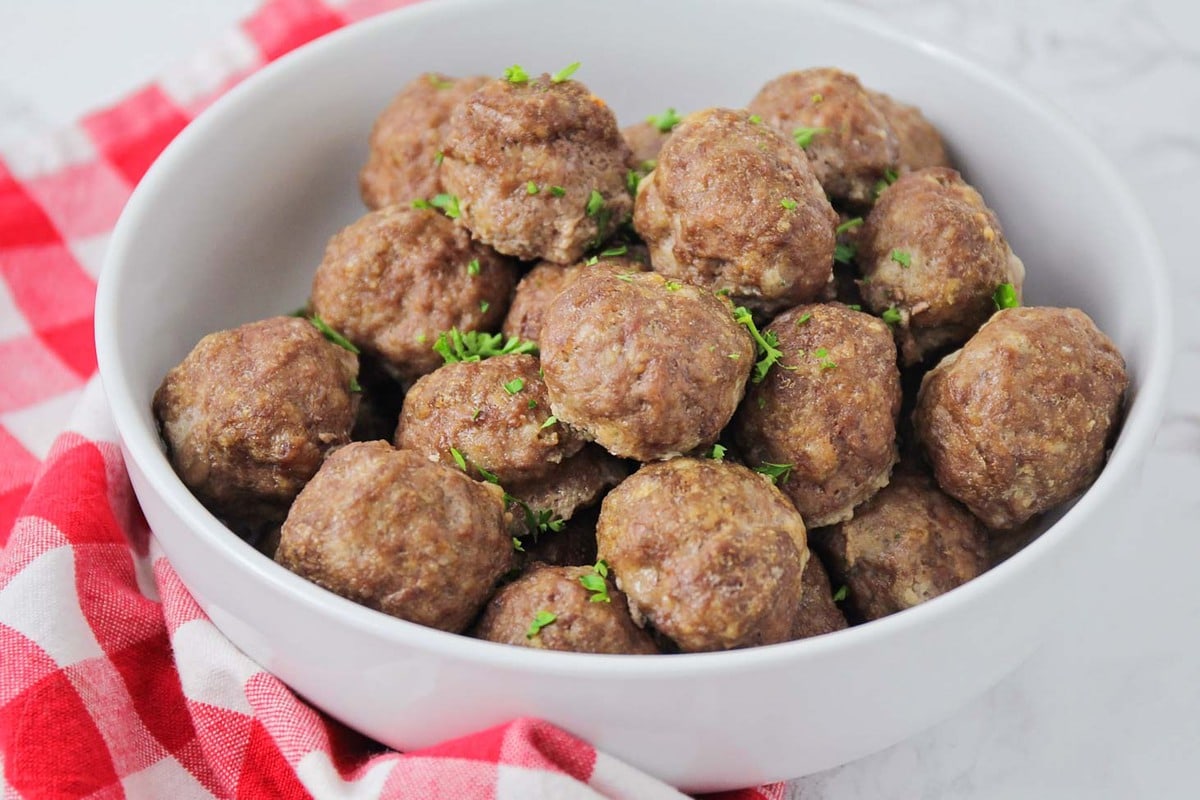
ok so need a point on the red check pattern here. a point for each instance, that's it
(113, 683)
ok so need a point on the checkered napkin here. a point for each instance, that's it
(113, 683)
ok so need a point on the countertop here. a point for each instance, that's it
(1110, 707)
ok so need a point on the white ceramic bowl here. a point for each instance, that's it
(230, 223)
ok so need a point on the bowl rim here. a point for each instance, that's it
(142, 445)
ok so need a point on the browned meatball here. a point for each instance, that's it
(648, 368)
(733, 205)
(406, 142)
(829, 410)
(494, 412)
(645, 140)
(538, 168)
(543, 283)
(578, 624)
(818, 612)
(578, 482)
(248, 416)
(1018, 420)
(397, 278)
(391, 530)
(934, 252)
(907, 544)
(920, 143)
(847, 138)
(710, 553)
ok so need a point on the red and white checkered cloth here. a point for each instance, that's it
(113, 683)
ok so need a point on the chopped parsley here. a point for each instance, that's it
(475, 415)
(613, 252)
(484, 305)
(818, 98)
(448, 203)
(889, 177)
(625, 276)
(673, 286)
(520, 548)
(557, 191)
(891, 316)
(516, 74)
(822, 357)
(473, 267)
(459, 459)
(531, 188)
(596, 208)
(439, 158)
(804, 136)
(1005, 296)
(540, 620)
(515, 385)
(332, 335)
(718, 452)
(438, 82)
(565, 73)
(902, 258)
(550, 420)
(854, 307)
(421, 203)
(767, 346)
(840, 594)
(755, 119)
(849, 225)
(778, 473)
(666, 121)
(788, 203)
(633, 179)
(595, 203)
(455, 345)
(532, 403)
(594, 582)
(355, 386)
(803, 318)
(844, 253)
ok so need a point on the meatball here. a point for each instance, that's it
(1019, 419)
(577, 483)
(920, 143)
(934, 253)
(648, 368)
(406, 141)
(645, 140)
(390, 530)
(542, 284)
(818, 612)
(397, 278)
(733, 205)
(538, 168)
(828, 411)
(907, 544)
(249, 415)
(847, 137)
(708, 552)
(494, 413)
(573, 621)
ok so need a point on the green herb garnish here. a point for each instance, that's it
(891, 316)
(633, 179)
(767, 346)
(1005, 296)
(755, 119)
(550, 420)
(355, 386)
(516, 74)
(515, 385)
(844, 253)
(520, 548)
(594, 582)
(718, 452)
(673, 286)
(840, 594)
(902, 258)
(788, 203)
(666, 121)
(822, 356)
(849, 225)
(421, 203)
(332, 335)
(565, 73)
(557, 191)
(805, 317)
(804, 136)
(458, 459)
(439, 158)
(455, 345)
(473, 267)
(613, 252)
(889, 177)
(448, 203)
(778, 473)
(540, 620)
(438, 82)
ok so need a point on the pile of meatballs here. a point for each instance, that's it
(713, 381)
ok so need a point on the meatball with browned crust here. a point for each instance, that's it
(578, 482)
(550, 609)
(819, 613)
(1018, 420)
(538, 168)
(847, 137)
(921, 145)
(733, 205)
(397, 278)
(542, 284)
(391, 530)
(827, 411)
(648, 368)
(494, 413)
(249, 415)
(708, 552)
(933, 252)
(406, 141)
(907, 544)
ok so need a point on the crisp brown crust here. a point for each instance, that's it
(733, 205)
(829, 410)
(391, 530)
(907, 544)
(250, 413)
(855, 145)
(402, 162)
(1018, 420)
(398, 277)
(818, 612)
(467, 407)
(710, 553)
(646, 367)
(956, 256)
(506, 135)
(920, 143)
(578, 482)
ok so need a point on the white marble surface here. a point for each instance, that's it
(1110, 708)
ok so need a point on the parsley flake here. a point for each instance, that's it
(844, 253)
(803, 318)
(625, 276)
(788, 203)
(540, 620)
(520, 548)
(515, 385)
(557, 191)
(531, 188)
(550, 420)
(594, 582)
(596, 208)
(473, 267)
(673, 286)
(666, 121)
(566, 72)
(633, 179)
(718, 452)
(840, 594)
(532, 403)
(332, 335)
(613, 252)
(766, 345)
(439, 82)
(849, 225)
(455, 345)
(891, 316)
(448, 203)
(516, 74)
(458, 459)
(355, 386)
(889, 177)
(475, 415)
(484, 305)
(902, 258)
(439, 158)
(778, 473)
(595, 203)
(822, 356)
(421, 203)
(1005, 296)
(804, 136)
(755, 119)
(818, 98)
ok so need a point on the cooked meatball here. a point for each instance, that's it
(406, 141)
(249, 415)
(1018, 420)
(397, 278)
(538, 168)
(710, 553)
(645, 140)
(907, 544)
(828, 410)
(849, 141)
(733, 205)
(494, 413)
(578, 482)
(390, 530)
(920, 143)
(579, 625)
(935, 253)
(648, 368)
(542, 284)
(818, 612)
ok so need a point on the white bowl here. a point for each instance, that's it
(230, 223)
